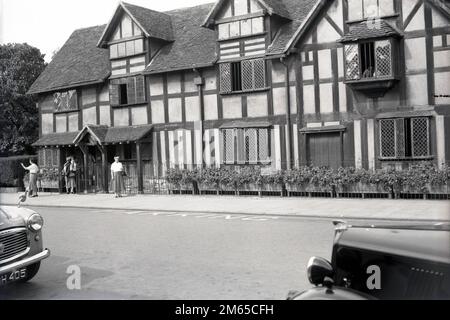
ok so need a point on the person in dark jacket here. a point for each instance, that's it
(65, 173)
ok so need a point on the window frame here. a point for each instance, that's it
(241, 152)
(257, 27)
(115, 91)
(76, 107)
(375, 77)
(379, 14)
(223, 71)
(408, 141)
(114, 48)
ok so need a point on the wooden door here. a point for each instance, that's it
(325, 149)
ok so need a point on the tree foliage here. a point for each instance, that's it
(20, 66)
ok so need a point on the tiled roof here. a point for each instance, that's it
(107, 135)
(78, 62)
(277, 7)
(194, 45)
(127, 134)
(56, 139)
(156, 24)
(299, 11)
(273, 7)
(370, 30)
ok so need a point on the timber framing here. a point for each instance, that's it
(310, 110)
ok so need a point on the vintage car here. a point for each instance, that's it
(390, 262)
(21, 249)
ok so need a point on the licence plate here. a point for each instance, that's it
(13, 277)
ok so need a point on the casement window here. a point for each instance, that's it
(126, 49)
(65, 101)
(247, 75)
(364, 9)
(241, 28)
(126, 91)
(405, 138)
(48, 158)
(246, 146)
(369, 60)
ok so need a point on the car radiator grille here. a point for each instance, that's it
(424, 284)
(12, 243)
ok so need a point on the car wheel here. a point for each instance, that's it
(32, 270)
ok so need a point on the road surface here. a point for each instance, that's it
(126, 254)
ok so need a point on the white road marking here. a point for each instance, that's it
(183, 215)
(228, 217)
(134, 212)
(254, 219)
(209, 216)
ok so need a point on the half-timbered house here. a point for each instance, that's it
(271, 83)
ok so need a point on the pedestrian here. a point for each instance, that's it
(117, 174)
(33, 168)
(65, 173)
(72, 175)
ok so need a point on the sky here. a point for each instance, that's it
(47, 24)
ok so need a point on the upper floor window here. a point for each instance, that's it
(363, 9)
(246, 146)
(128, 48)
(246, 75)
(405, 138)
(126, 29)
(241, 28)
(126, 91)
(369, 60)
(65, 101)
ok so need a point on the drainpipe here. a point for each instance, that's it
(199, 81)
(288, 115)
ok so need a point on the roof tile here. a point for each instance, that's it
(156, 24)
(79, 61)
(370, 30)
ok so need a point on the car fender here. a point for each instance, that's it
(336, 293)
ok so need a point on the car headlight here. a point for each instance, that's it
(35, 222)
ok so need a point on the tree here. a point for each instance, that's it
(20, 66)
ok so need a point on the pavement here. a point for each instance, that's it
(371, 209)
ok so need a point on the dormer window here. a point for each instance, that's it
(126, 49)
(241, 28)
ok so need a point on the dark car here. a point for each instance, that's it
(21, 249)
(394, 262)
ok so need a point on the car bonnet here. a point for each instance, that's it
(431, 245)
(12, 216)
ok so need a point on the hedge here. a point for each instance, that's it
(11, 172)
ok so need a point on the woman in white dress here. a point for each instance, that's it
(117, 172)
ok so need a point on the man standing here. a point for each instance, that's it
(65, 174)
(34, 171)
(72, 175)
